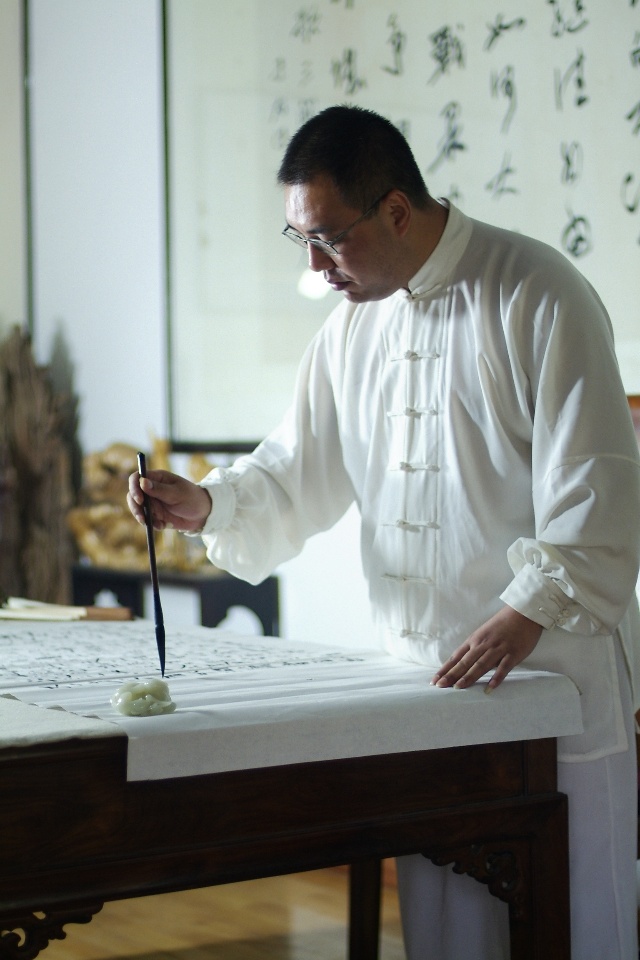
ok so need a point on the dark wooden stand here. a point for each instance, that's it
(218, 592)
(76, 833)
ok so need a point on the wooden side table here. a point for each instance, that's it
(217, 592)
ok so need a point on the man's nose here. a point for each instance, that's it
(318, 259)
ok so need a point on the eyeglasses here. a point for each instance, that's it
(328, 246)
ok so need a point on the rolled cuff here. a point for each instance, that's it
(223, 502)
(539, 598)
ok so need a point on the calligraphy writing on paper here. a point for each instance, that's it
(345, 72)
(306, 25)
(503, 84)
(576, 237)
(630, 195)
(571, 154)
(397, 41)
(634, 117)
(450, 142)
(574, 74)
(499, 185)
(498, 28)
(562, 23)
(67, 656)
(279, 72)
(447, 51)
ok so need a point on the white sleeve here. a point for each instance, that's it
(293, 485)
(580, 570)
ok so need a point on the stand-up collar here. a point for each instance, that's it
(438, 267)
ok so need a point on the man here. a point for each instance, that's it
(466, 395)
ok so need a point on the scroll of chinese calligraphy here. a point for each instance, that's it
(526, 115)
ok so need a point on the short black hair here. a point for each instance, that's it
(362, 152)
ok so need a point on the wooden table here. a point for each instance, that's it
(75, 833)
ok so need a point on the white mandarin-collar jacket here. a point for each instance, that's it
(479, 422)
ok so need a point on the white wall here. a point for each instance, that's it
(324, 594)
(98, 202)
(99, 264)
(13, 286)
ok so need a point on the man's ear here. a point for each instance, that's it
(399, 210)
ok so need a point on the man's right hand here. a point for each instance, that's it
(174, 501)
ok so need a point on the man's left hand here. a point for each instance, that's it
(499, 644)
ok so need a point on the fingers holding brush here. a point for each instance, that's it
(173, 500)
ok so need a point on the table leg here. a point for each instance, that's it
(364, 909)
(531, 875)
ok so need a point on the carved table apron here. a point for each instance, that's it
(76, 833)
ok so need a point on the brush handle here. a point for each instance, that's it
(157, 607)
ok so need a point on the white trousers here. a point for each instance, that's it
(448, 916)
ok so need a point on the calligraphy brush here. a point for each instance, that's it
(157, 607)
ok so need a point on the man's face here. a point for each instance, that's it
(365, 266)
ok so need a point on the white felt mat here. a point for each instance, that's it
(245, 702)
